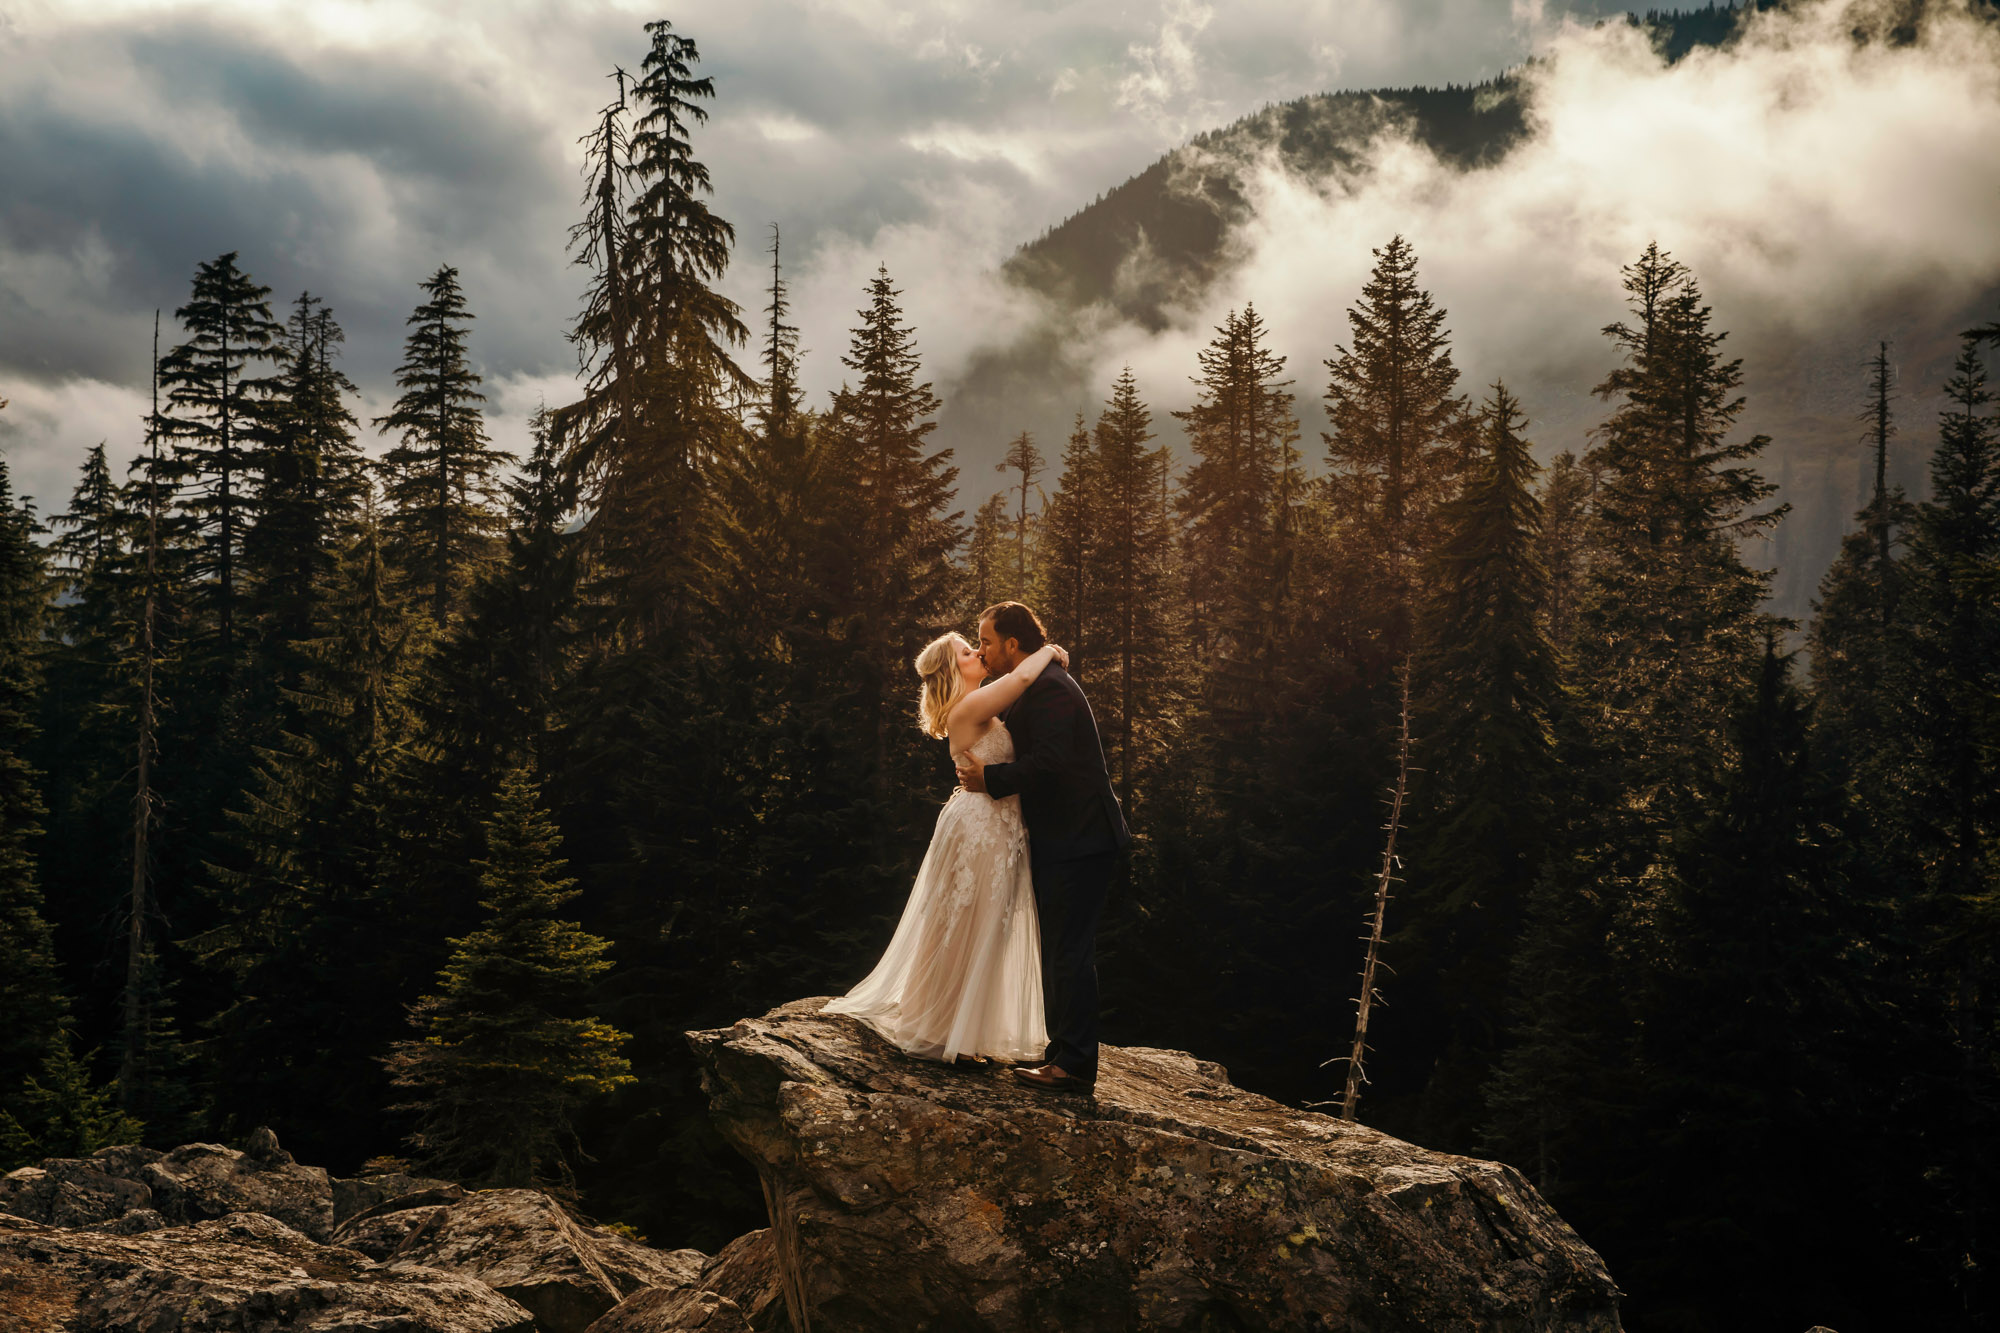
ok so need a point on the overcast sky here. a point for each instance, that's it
(350, 148)
(1827, 194)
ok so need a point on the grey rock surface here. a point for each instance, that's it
(355, 1194)
(135, 1223)
(243, 1273)
(70, 1192)
(679, 1310)
(907, 1194)
(746, 1271)
(523, 1245)
(198, 1181)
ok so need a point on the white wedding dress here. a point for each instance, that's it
(963, 974)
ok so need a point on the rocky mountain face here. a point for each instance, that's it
(910, 1195)
(213, 1238)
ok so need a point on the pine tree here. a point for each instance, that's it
(62, 1113)
(655, 338)
(32, 1005)
(1490, 687)
(1669, 630)
(985, 558)
(1134, 646)
(1242, 431)
(440, 478)
(216, 409)
(901, 492)
(1858, 630)
(1400, 432)
(311, 480)
(85, 739)
(1065, 568)
(1564, 548)
(508, 1052)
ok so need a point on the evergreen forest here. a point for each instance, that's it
(363, 780)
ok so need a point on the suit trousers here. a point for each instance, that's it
(1069, 898)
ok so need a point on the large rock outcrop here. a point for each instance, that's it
(911, 1195)
(244, 1273)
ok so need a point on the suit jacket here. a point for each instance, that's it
(1059, 773)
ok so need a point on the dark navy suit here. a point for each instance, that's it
(1075, 832)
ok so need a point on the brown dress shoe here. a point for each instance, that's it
(1053, 1078)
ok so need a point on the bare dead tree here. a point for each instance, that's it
(1372, 960)
(135, 1016)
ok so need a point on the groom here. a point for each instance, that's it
(1075, 832)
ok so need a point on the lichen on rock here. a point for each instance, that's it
(910, 1195)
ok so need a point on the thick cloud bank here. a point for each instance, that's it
(349, 147)
(1827, 193)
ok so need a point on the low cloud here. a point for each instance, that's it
(1826, 193)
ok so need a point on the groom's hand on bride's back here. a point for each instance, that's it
(971, 773)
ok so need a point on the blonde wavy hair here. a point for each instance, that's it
(943, 685)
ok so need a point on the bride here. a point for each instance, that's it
(963, 975)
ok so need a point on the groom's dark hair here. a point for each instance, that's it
(1011, 620)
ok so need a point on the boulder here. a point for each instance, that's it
(746, 1271)
(137, 1222)
(70, 1192)
(680, 1310)
(198, 1181)
(738, 1291)
(380, 1230)
(381, 1235)
(523, 1245)
(633, 1265)
(126, 1160)
(911, 1194)
(245, 1273)
(354, 1195)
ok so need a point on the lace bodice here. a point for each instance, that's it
(995, 747)
(993, 824)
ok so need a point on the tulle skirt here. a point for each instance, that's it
(963, 974)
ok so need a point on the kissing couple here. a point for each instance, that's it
(995, 957)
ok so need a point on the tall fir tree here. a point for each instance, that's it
(311, 481)
(1490, 687)
(656, 339)
(1135, 646)
(1065, 590)
(33, 1008)
(988, 559)
(216, 410)
(1399, 434)
(904, 528)
(1670, 628)
(508, 1050)
(1241, 430)
(1857, 632)
(1564, 547)
(439, 479)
